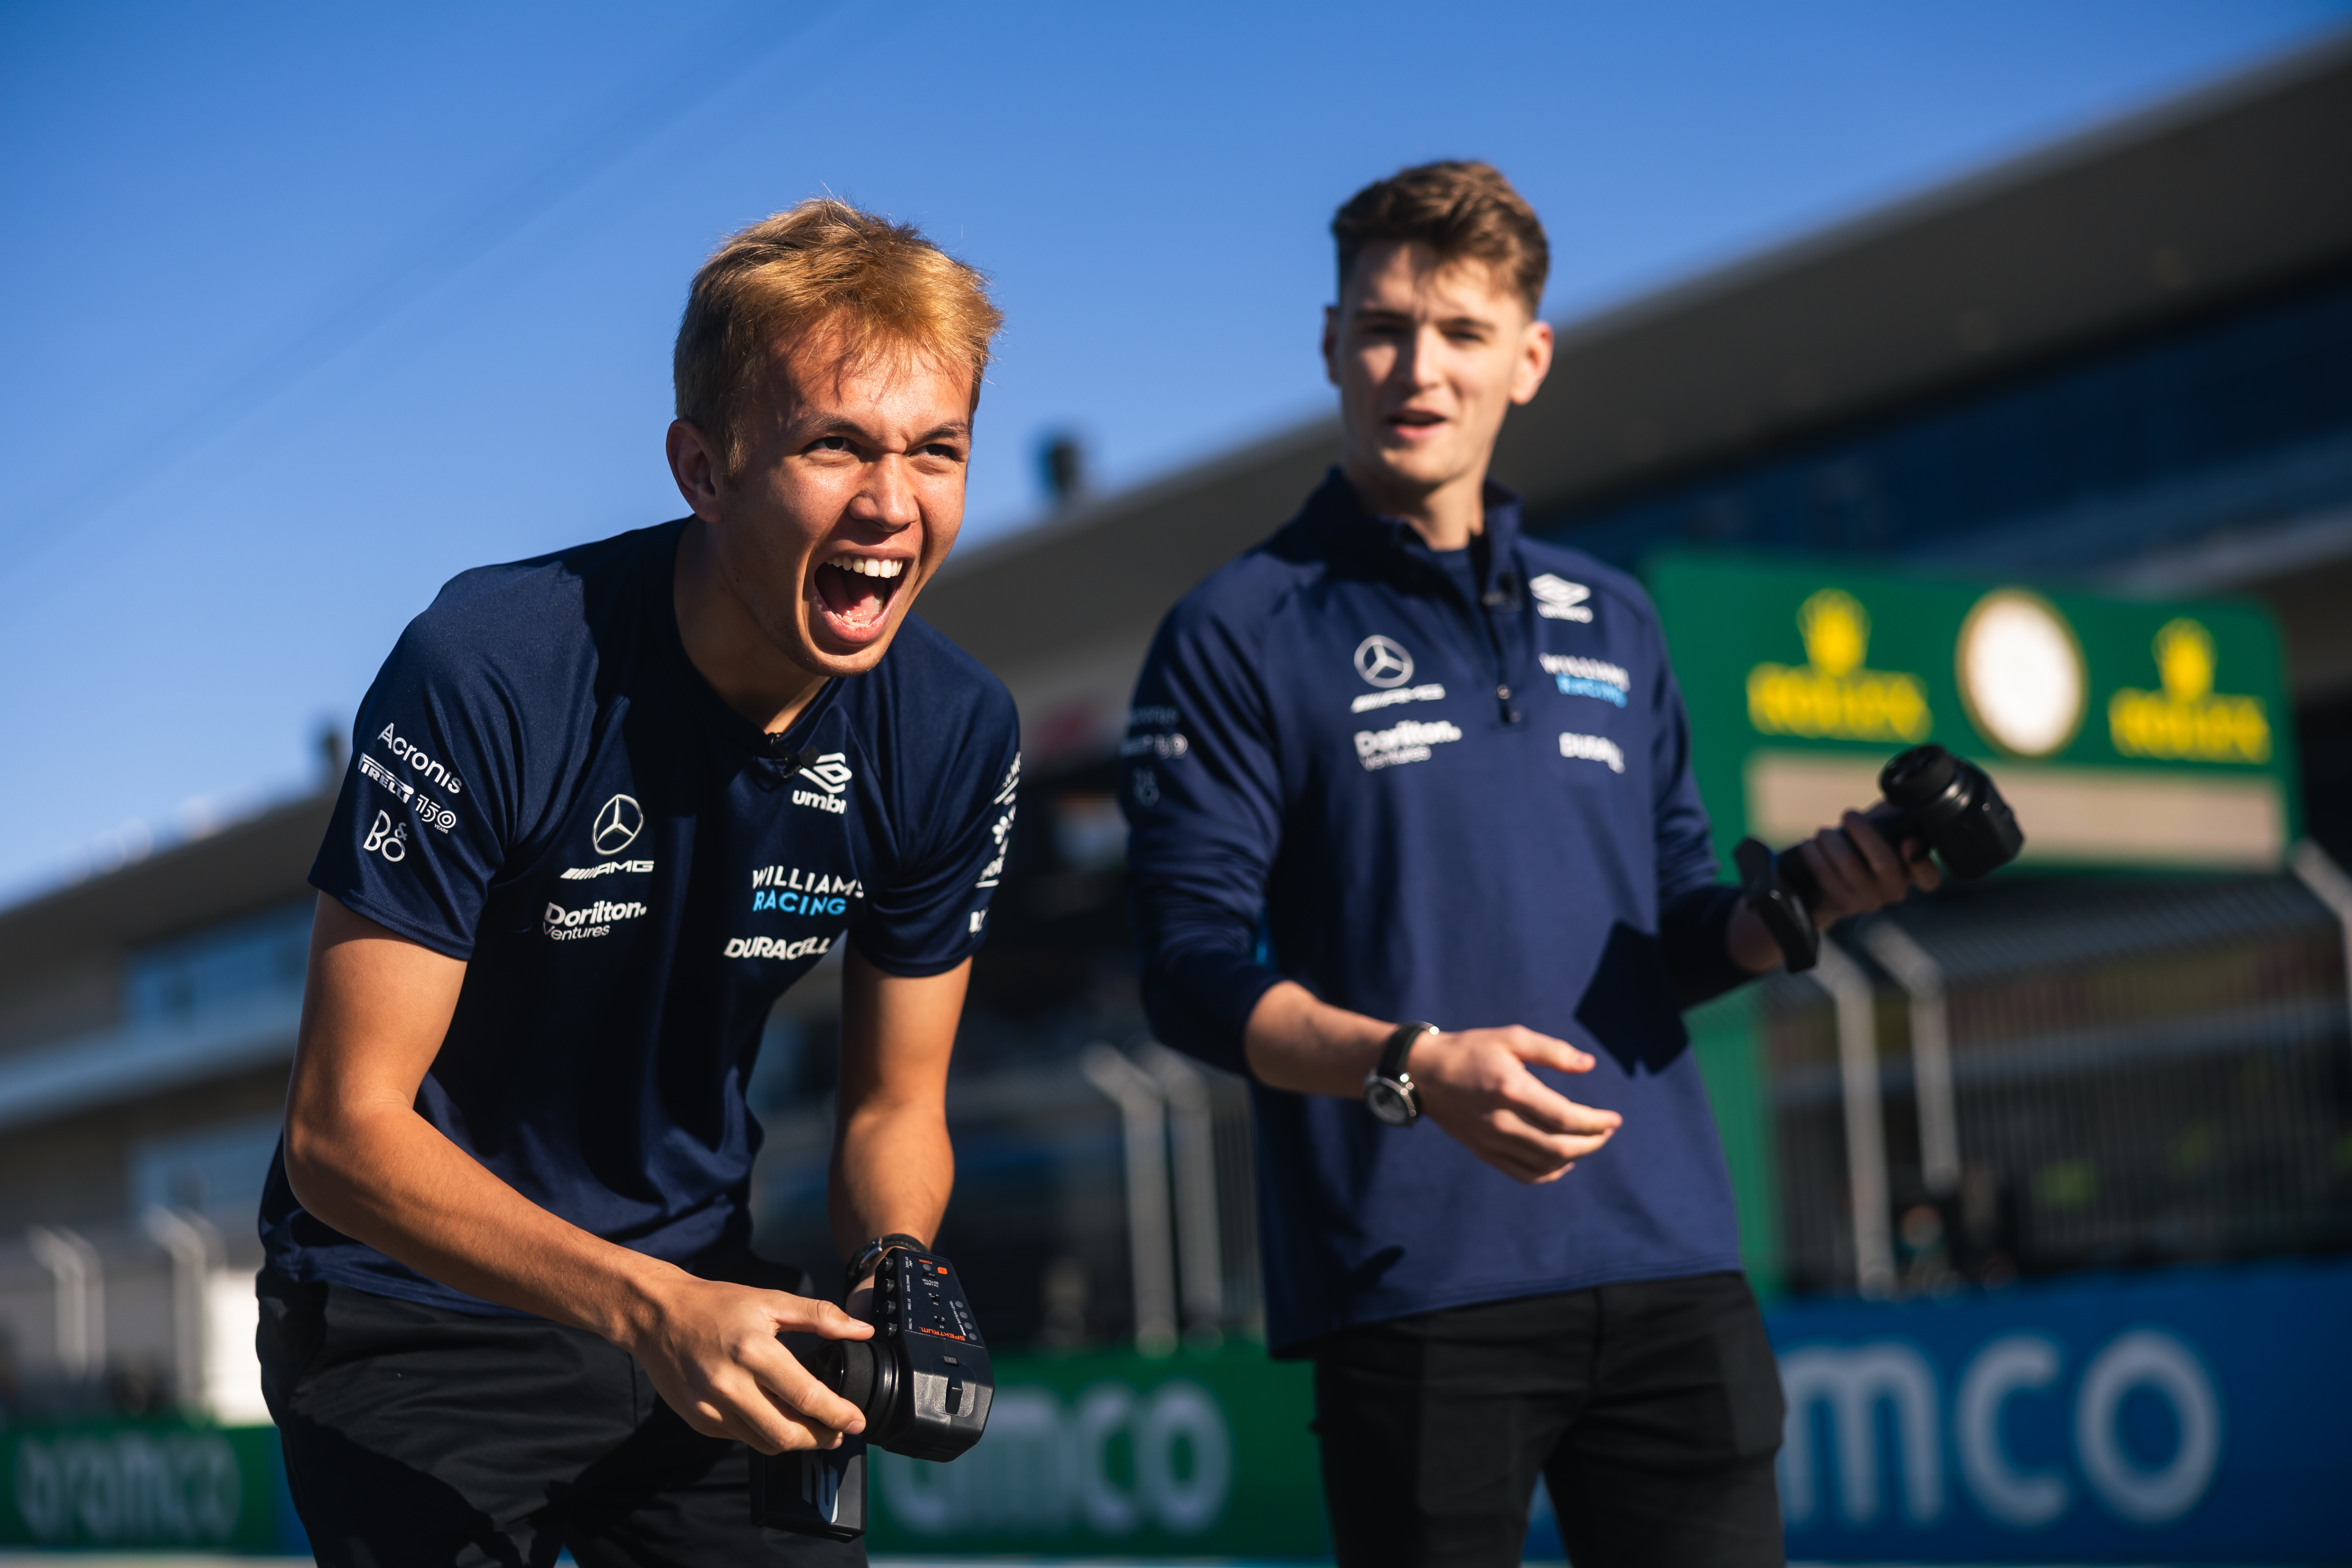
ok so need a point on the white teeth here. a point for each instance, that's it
(867, 567)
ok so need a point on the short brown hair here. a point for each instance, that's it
(1463, 210)
(821, 264)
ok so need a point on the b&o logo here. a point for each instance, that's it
(619, 822)
(387, 839)
(1381, 661)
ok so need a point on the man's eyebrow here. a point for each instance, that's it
(1382, 316)
(842, 425)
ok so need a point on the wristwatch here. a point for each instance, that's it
(869, 1256)
(1390, 1092)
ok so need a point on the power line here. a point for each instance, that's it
(691, 81)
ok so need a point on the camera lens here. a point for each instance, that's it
(844, 1366)
(1915, 778)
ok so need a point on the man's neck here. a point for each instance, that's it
(725, 645)
(1447, 517)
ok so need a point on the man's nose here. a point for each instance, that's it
(888, 497)
(1417, 362)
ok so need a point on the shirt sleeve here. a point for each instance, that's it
(933, 914)
(427, 806)
(1201, 785)
(1694, 910)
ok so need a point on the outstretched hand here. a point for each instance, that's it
(712, 1354)
(1477, 1085)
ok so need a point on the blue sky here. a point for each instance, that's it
(306, 309)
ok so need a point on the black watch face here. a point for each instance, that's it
(1389, 1102)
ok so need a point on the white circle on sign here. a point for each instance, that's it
(2021, 672)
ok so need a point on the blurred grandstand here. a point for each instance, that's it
(2123, 364)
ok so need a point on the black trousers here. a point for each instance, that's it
(418, 1437)
(1652, 1410)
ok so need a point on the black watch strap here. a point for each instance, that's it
(873, 1252)
(1401, 1042)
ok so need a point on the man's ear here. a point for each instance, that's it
(697, 466)
(1331, 344)
(1535, 362)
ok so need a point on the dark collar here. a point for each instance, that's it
(1336, 516)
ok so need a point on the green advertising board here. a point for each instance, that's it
(1101, 1454)
(1112, 1454)
(144, 1485)
(2124, 733)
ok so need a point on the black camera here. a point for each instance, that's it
(1948, 805)
(922, 1383)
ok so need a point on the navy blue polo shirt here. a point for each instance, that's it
(543, 785)
(1451, 787)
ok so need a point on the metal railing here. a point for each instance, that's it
(2064, 1074)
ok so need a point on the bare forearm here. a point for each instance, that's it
(893, 1170)
(1295, 1042)
(384, 1176)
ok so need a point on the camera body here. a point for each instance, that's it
(923, 1384)
(1946, 801)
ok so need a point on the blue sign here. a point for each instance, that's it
(2185, 1415)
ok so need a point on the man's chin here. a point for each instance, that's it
(1414, 470)
(843, 650)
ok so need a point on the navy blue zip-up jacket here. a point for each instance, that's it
(1451, 787)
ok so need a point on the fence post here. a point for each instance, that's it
(1192, 1123)
(2331, 887)
(1865, 1135)
(195, 1248)
(1922, 980)
(1152, 1252)
(80, 1297)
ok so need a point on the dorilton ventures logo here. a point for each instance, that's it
(595, 919)
(1831, 695)
(1405, 742)
(2187, 720)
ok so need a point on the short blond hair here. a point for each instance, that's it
(822, 265)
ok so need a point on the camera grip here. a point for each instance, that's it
(1770, 885)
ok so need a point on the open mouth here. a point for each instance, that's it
(1414, 423)
(855, 592)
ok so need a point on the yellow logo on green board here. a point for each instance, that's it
(1831, 696)
(2187, 720)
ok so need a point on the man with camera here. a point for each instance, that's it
(1429, 850)
(605, 806)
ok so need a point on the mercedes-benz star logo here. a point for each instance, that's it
(618, 823)
(1382, 663)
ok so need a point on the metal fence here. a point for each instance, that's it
(1102, 1194)
(2032, 1076)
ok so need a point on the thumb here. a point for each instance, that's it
(821, 1317)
